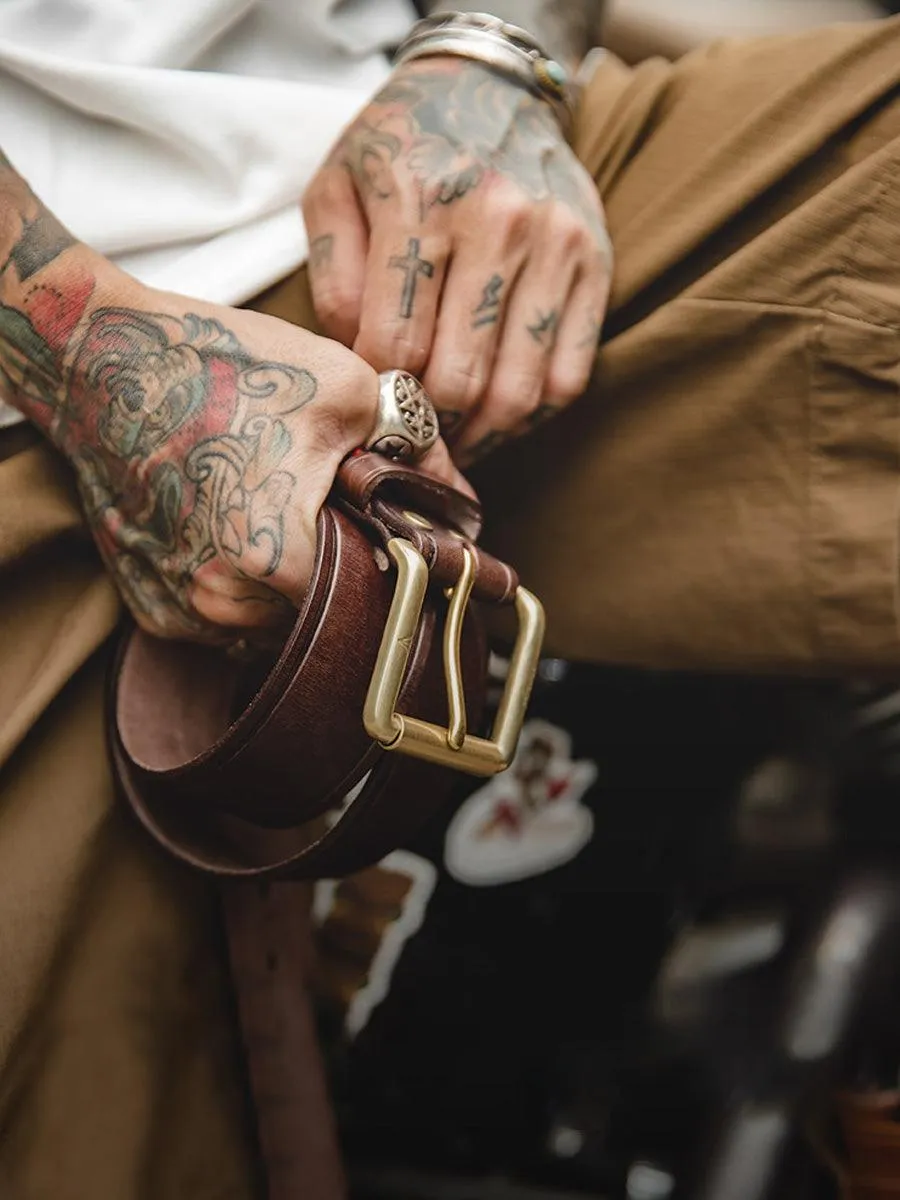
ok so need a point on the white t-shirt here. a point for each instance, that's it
(177, 136)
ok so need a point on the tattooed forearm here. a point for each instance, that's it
(30, 375)
(42, 240)
(488, 310)
(30, 236)
(181, 437)
(180, 408)
(413, 265)
(175, 429)
(31, 239)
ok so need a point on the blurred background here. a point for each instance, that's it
(636, 29)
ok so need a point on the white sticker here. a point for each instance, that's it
(363, 922)
(528, 820)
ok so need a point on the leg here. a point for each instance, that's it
(118, 1064)
(726, 495)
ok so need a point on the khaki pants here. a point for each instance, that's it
(726, 496)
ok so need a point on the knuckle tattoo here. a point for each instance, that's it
(544, 328)
(487, 310)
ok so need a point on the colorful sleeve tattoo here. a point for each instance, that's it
(175, 428)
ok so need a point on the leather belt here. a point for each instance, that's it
(322, 761)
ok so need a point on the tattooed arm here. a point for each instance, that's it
(454, 233)
(204, 439)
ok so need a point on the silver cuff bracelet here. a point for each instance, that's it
(507, 48)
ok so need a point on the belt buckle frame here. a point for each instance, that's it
(451, 745)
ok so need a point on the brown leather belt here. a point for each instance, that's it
(326, 759)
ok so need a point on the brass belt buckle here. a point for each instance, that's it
(452, 746)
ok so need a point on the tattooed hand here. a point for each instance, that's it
(204, 439)
(455, 234)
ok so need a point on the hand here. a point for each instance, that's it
(455, 234)
(205, 440)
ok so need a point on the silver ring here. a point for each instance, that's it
(407, 424)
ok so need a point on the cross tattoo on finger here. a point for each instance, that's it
(414, 266)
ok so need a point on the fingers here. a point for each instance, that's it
(518, 383)
(481, 279)
(578, 338)
(404, 277)
(338, 246)
(518, 323)
(549, 338)
(439, 465)
(499, 316)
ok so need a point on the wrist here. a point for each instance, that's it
(566, 29)
(507, 50)
(41, 318)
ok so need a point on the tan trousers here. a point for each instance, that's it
(726, 496)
